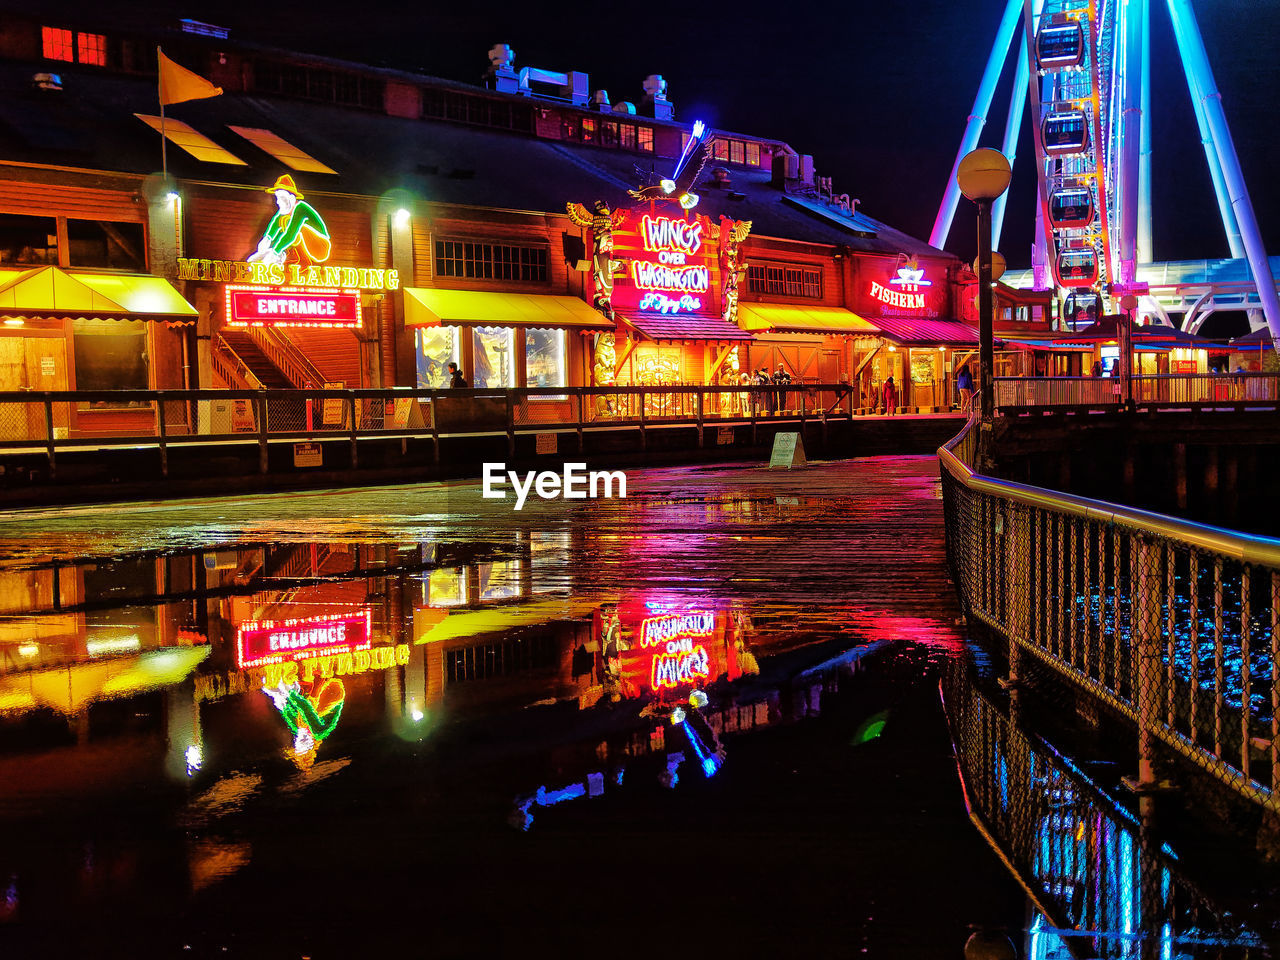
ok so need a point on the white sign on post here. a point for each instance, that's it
(546, 442)
(788, 451)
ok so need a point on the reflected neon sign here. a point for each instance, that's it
(276, 641)
(679, 660)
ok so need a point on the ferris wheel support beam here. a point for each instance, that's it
(1196, 60)
(977, 119)
(1130, 139)
(1012, 128)
(1145, 254)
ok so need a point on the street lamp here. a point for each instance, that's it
(983, 175)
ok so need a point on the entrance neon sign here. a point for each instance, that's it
(267, 641)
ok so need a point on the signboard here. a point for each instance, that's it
(260, 642)
(788, 451)
(899, 288)
(1139, 288)
(546, 442)
(668, 267)
(332, 408)
(1184, 366)
(307, 455)
(724, 436)
(292, 307)
(676, 644)
(47, 368)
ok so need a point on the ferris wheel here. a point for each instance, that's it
(1089, 96)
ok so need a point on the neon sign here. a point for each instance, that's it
(292, 274)
(680, 660)
(659, 276)
(661, 303)
(669, 283)
(269, 642)
(662, 234)
(909, 280)
(286, 307)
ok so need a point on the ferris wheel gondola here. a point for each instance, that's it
(1077, 266)
(1060, 46)
(1071, 208)
(1065, 132)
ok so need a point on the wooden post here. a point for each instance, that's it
(581, 438)
(160, 433)
(261, 402)
(48, 436)
(701, 397)
(355, 453)
(433, 398)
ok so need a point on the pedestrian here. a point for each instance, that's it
(456, 380)
(744, 398)
(770, 398)
(890, 392)
(1097, 368)
(781, 378)
(964, 383)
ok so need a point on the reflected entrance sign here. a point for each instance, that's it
(260, 642)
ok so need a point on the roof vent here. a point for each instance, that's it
(656, 104)
(719, 178)
(600, 101)
(624, 106)
(47, 81)
(502, 74)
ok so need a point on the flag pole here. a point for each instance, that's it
(164, 140)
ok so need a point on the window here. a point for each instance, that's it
(437, 348)
(282, 150)
(101, 243)
(191, 140)
(348, 89)
(447, 587)
(545, 359)
(609, 133)
(627, 138)
(110, 354)
(57, 44)
(500, 659)
(646, 139)
(28, 241)
(753, 154)
(720, 149)
(91, 48)
(490, 261)
(500, 580)
(495, 359)
(737, 151)
(588, 130)
(784, 281)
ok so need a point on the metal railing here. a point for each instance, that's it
(1149, 391)
(63, 420)
(1174, 624)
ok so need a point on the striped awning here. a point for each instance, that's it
(926, 331)
(57, 293)
(656, 326)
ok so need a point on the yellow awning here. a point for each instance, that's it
(431, 627)
(54, 292)
(425, 307)
(70, 688)
(804, 319)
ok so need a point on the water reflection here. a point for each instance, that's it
(1101, 883)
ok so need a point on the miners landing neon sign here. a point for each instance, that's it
(674, 241)
(679, 660)
(909, 280)
(261, 642)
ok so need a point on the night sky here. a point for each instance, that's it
(877, 93)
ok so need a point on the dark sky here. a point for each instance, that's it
(878, 93)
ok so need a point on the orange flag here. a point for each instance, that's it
(177, 83)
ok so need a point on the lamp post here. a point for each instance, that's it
(983, 175)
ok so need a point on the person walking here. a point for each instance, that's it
(890, 392)
(456, 380)
(964, 383)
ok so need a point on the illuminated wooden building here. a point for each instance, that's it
(450, 242)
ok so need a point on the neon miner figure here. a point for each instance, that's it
(296, 234)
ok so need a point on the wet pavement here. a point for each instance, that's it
(702, 718)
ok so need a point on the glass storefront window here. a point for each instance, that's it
(447, 587)
(545, 358)
(110, 354)
(500, 580)
(437, 348)
(97, 243)
(28, 240)
(495, 360)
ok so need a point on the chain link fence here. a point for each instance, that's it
(1173, 624)
(1100, 881)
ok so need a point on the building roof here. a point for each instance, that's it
(660, 327)
(911, 331)
(91, 124)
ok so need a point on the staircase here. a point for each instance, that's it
(243, 346)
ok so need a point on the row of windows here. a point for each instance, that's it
(781, 280)
(74, 46)
(499, 659)
(607, 133)
(313, 83)
(490, 261)
(481, 111)
(736, 151)
(33, 241)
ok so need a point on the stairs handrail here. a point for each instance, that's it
(237, 375)
(291, 361)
